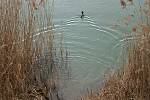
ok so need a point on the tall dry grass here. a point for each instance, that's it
(132, 82)
(28, 70)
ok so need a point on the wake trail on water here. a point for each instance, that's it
(79, 40)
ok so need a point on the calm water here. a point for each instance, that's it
(94, 42)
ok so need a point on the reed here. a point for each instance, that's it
(28, 70)
(132, 81)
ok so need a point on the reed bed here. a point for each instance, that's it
(28, 67)
(132, 81)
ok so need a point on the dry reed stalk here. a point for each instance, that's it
(27, 67)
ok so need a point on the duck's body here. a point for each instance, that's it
(82, 16)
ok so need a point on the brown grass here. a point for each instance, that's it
(132, 82)
(27, 67)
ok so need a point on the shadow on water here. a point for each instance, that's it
(52, 65)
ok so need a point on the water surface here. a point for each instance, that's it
(94, 43)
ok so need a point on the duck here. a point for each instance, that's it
(82, 14)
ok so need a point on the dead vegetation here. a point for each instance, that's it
(28, 70)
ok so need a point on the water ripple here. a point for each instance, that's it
(82, 47)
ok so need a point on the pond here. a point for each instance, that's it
(94, 42)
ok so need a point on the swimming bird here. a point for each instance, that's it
(82, 14)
